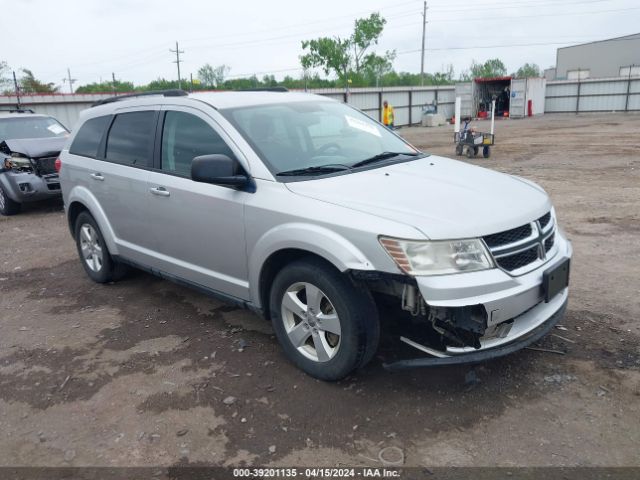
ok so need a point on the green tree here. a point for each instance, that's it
(106, 87)
(349, 57)
(30, 84)
(376, 66)
(491, 68)
(366, 33)
(528, 70)
(212, 76)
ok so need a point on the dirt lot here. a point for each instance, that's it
(136, 373)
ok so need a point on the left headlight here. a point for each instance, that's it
(440, 257)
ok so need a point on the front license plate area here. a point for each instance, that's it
(555, 280)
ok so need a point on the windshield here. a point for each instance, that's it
(30, 127)
(294, 136)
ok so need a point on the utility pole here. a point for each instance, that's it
(17, 88)
(424, 32)
(113, 84)
(70, 80)
(177, 51)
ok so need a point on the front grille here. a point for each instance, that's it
(45, 165)
(526, 243)
(548, 243)
(518, 260)
(544, 220)
(508, 236)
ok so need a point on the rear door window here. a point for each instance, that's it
(185, 136)
(89, 136)
(130, 140)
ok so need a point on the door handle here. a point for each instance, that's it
(160, 191)
(97, 176)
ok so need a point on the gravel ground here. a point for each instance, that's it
(145, 372)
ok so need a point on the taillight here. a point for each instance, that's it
(58, 164)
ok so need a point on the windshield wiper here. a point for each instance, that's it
(320, 169)
(382, 156)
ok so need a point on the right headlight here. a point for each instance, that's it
(440, 257)
(17, 161)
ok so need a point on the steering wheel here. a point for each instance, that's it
(328, 146)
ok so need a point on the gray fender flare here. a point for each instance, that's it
(312, 238)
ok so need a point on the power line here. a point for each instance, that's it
(177, 51)
(502, 45)
(500, 18)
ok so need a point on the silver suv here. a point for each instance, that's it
(308, 211)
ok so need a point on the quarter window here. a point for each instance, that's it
(130, 140)
(89, 137)
(185, 136)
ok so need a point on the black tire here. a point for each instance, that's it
(354, 306)
(486, 152)
(109, 270)
(7, 206)
(470, 152)
(458, 149)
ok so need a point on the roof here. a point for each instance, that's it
(235, 99)
(219, 100)
(7, 114)
(633, 36)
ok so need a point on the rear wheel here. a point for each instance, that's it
(458, 149)
(8, 206)
(93, 252)
(326, 324)
(470, 152)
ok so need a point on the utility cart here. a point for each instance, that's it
(468, 140)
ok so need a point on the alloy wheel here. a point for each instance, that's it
(90, 247)
(311, 321)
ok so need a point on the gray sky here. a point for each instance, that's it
(132, 38)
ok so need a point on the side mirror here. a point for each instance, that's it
(218, 170)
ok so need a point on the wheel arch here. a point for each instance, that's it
(81, 200)
(287, 243)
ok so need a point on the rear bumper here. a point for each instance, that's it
(25, 187)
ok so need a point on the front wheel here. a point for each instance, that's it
(486, 152)
(8, 206)
(326, 324)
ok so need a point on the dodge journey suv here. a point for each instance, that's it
(311, 213)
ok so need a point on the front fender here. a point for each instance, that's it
(312, 238)
(85, 197)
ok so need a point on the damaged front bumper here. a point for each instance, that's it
(25, 187)
(515, 311)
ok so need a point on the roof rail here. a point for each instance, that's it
(264, 89)
(165, 93)
(16, 110)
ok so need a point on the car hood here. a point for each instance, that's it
(441, 197)
(34, 147)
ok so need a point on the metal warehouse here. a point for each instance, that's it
(615, 57)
